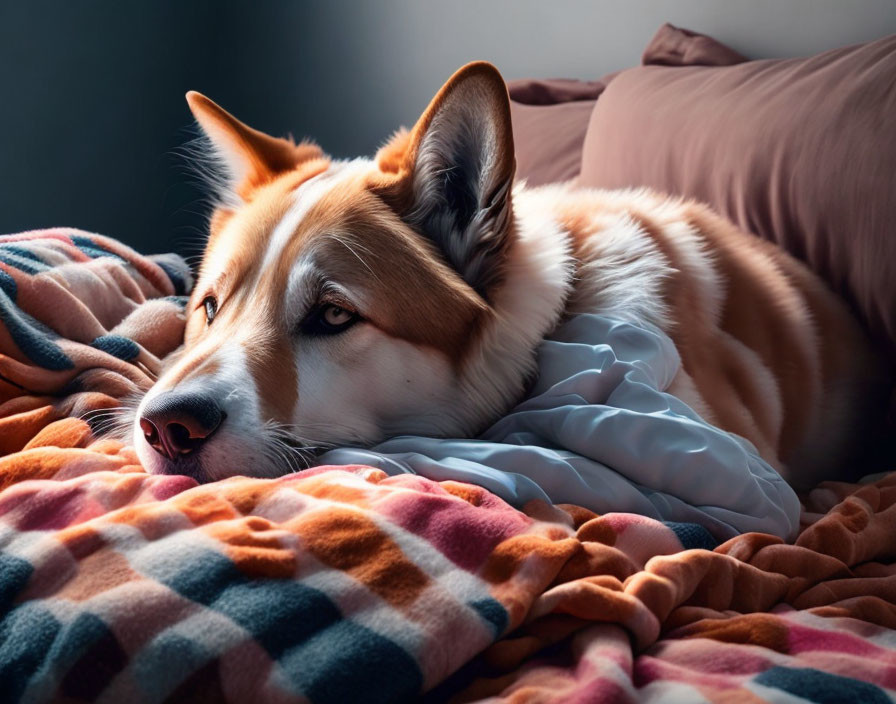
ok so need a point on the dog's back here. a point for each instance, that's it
(768, 351)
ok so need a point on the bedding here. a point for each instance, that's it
(83, 314)
(551, 116)
(342, 583)
(549, 120)
(798, 151)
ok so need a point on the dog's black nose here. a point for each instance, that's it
(176, 424)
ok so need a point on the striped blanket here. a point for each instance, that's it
(343, 584)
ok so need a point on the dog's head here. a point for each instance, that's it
(343, 302)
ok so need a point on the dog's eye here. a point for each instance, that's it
(211, 308)
(329, 319)
(336, 316)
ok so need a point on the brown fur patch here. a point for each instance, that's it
(725, 381)
(391, 156)
(276, 378)
(763, 310)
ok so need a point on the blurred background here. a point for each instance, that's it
(91, 92)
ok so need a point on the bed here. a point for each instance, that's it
(345, 583)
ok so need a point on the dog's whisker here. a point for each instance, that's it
(284, 448)
(351, 249)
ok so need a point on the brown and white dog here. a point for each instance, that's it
(343, 302)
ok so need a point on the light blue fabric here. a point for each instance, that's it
(597, 430)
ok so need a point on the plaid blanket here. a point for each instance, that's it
(84, 322)
(343, 584)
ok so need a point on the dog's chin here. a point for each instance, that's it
(155, 463)
(188, 467)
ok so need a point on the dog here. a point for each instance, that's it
(345, 302)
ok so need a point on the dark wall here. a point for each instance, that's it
(92, 110)
(91, 92)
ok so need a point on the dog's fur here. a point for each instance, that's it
(457, 275)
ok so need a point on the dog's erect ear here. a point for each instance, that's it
(250, 158)
(453, 182)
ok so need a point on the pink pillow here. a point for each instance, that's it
(550, 119)
(799, 151)
(674, 46)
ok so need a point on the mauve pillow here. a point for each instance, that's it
(550, 91)
(549, 121)
(675, 46)
(799, 151)
(549, 140)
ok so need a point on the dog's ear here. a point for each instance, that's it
(249, 158)
(453, 182)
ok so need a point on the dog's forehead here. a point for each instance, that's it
(306, 201)
(266, 235)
